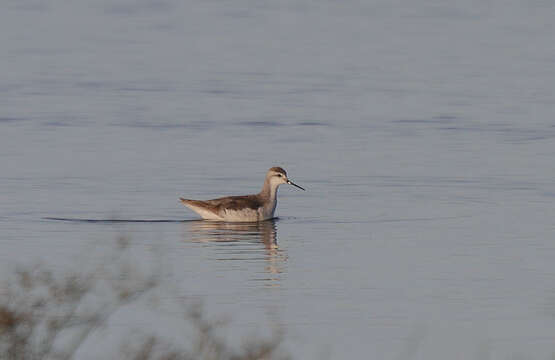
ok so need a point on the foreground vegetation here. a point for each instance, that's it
(44, 316)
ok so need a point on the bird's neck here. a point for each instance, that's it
(269, 191)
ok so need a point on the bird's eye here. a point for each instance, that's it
(279, 175)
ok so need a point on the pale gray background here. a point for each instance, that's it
(423, 131)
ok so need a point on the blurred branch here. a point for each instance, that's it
(44, 317)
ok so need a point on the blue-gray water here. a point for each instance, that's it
(423, 131)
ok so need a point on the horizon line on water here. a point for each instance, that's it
(118, 220)
(134, 220)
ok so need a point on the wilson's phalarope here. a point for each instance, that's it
(245, 208)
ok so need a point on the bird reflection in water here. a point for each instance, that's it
(246, 242)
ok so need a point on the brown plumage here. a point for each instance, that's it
(256, 207)
(278, 169)
(228, 202)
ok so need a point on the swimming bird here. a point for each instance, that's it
(246, 208)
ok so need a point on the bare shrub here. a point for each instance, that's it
(47, 316)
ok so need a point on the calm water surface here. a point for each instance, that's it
(423, 132)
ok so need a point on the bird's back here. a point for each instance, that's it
(231, 208)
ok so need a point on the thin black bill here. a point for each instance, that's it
(292, 183)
